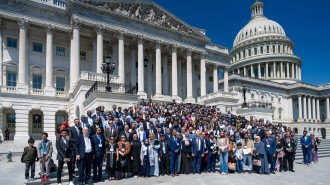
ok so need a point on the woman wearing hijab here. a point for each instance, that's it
(135, 155)
(142, 134)
(112, 158)
(147, 158)
(124, 151)
(186, 165)
(154, 170)
(259, 153)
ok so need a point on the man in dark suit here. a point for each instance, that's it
(99, 151)
(64, 155)
(174, 149)
(289, 146)
(111, 131)
(129, 135)
(118, 125)
(261, 132)
(306, 142)
(159, 133)
(114, 113)
(98, 115)
(84, 153)
(75, 131)
(270, 144)
(164, 157)
(151, 129)
(97, 124)
(197, 149)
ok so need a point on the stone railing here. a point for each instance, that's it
(87, 75)
(8, 89)
(37, 91)
(62, 4)
(61, 94)
(216, 95)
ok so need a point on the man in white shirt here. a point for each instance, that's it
(84, 153)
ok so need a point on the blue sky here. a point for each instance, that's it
(306, 23)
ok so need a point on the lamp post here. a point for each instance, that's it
(244, 90)
(108, 68)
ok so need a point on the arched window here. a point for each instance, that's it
(244, 55)
(255, 30)
(265, 28)
(255, 51)
(273, 48)
(249, 52)
(250, 31)
(246, 33)
(261, 49)
(267, 49)
(279, 49)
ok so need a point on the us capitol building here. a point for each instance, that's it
(52, 53)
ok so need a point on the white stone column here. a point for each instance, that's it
(22, 86)
(121, 58)
(158, 71)
(327, 109)
(150, 78)
(282, 70)
(165, 76)
(274, 70)
(287, 70)
(300, 119)
(266, 71)
(305, 108)
(318, 110)
(309, 105)
(141, 92)
(290, 109)
(49, 123)
(189, 98)
(225, 80)
(1, 56)
(22, 123)
(314, 106)
(133, 66)
(292, 71)
(259, 71)
(299, 73)
(174, 72)
(115, 57)
(245, 74)
(215, 79)
(252, 71)
(49, 87)
(296, 66)
(203, 75)
(75, 70)
(180, 74)
(99, 50)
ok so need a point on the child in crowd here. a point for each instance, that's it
(239, 158)
(29, 158)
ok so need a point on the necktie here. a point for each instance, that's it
(110, 131)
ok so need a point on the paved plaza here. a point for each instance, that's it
(13, 174)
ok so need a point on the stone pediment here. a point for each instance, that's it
(149, 12)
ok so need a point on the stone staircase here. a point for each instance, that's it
(323, 149)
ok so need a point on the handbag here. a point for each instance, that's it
(232, 166)
(256, 162)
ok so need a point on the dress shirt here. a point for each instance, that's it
(88, 145)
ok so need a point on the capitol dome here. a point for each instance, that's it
(262, 50)
(259, 26)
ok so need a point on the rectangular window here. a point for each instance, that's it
(267, 49)
(273, 48)
(59, 121)
(60, 51)
(11, 122)
(249, 52)
(36, 123)
(255, 51)
(60, 84)
(11, 42)
(244, 55)
(279, 49)
(82, 55)
(37, 81)
(11, 79)
(37, 47)
(261, 50)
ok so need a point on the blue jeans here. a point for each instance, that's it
(174, 164)
(307, 155)
(223, 158)
(211, 161)
(239, 165)
(146, 167)
(247, 159)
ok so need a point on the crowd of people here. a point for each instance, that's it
(153, 139)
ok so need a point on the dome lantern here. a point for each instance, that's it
(257, 9)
